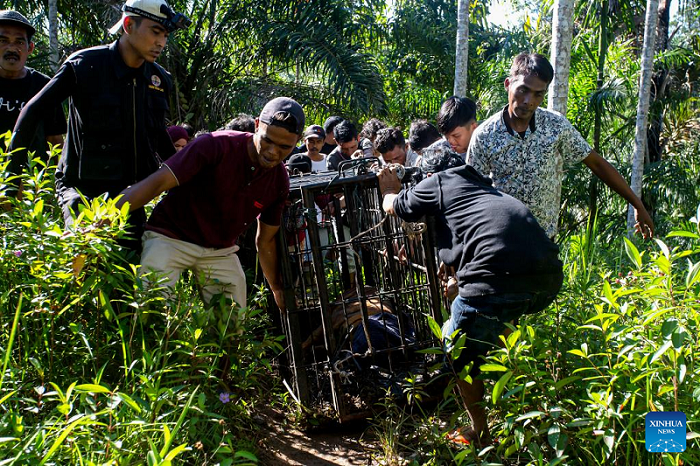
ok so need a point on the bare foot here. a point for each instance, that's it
(469, 436)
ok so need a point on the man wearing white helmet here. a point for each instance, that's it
(118, 101)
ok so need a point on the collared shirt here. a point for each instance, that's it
(219, 193)
(529, 166)
(491, 239)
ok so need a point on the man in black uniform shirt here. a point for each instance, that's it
(19, 83)
(118, 100)
(506, 265)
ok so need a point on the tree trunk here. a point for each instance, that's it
(53, 34)
(562, 34)
(658, 88)
(462, 52)
(597, 122)
(640, 134)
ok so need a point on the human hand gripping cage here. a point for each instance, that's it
(359, 305)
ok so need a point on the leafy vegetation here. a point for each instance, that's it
(98, 367)
(573, 384)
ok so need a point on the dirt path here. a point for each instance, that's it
(288, 446)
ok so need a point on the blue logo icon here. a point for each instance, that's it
(665, 432)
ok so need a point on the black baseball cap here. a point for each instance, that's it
(300, 163)
(17, 19)
(289, 109)
(314, 131)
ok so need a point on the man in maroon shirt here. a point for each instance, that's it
(217, 185)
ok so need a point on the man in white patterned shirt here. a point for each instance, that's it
(525, 149)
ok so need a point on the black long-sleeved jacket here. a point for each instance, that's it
(116, 121)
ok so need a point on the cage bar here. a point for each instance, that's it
(359, 286)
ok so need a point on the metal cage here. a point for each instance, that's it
(358, 286)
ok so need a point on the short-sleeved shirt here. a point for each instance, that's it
(334, 159)
(15, 93)
(412, 158)
(490, 238)
(529, 167)
(219, 193)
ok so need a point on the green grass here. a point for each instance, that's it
(99, 368)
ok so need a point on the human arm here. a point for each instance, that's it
(411, 204)
(55, 126)
(389, 187)
(477, 154)
(332, 162)
(448, 279)
(267, 254)
(611, 177)
(143, 192)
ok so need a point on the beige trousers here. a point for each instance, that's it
(218, 271)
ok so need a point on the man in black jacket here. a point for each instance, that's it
(506, 265)
(118, 101)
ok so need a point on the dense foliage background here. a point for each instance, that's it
(395, 60)
(95, 368)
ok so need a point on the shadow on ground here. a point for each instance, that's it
(286, 445)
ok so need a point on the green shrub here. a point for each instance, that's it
(99, 368)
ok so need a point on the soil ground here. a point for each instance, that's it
(285, 445)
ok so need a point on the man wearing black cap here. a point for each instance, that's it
(19, 83)
(117, 109)
(316, 161)
(217, 185)
(506, 265)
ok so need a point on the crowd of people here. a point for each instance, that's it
(493, 187)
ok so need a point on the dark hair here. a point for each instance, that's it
(331, 123)
(388, 138)
(243, 122)
(190, 130)
(371, 127)
(345, 131)
(438, 158)
(526, 64)
(137, 20)
(422, 134)
(454, 112)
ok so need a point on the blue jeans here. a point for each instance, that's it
(483, 319)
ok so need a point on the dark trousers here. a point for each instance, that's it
(69, 200)
(483, 319)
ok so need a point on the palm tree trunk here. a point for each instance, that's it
(658, 88)
(462, 52)
(53, 34)
(562, 34)
(597, 122)
(640, 135)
